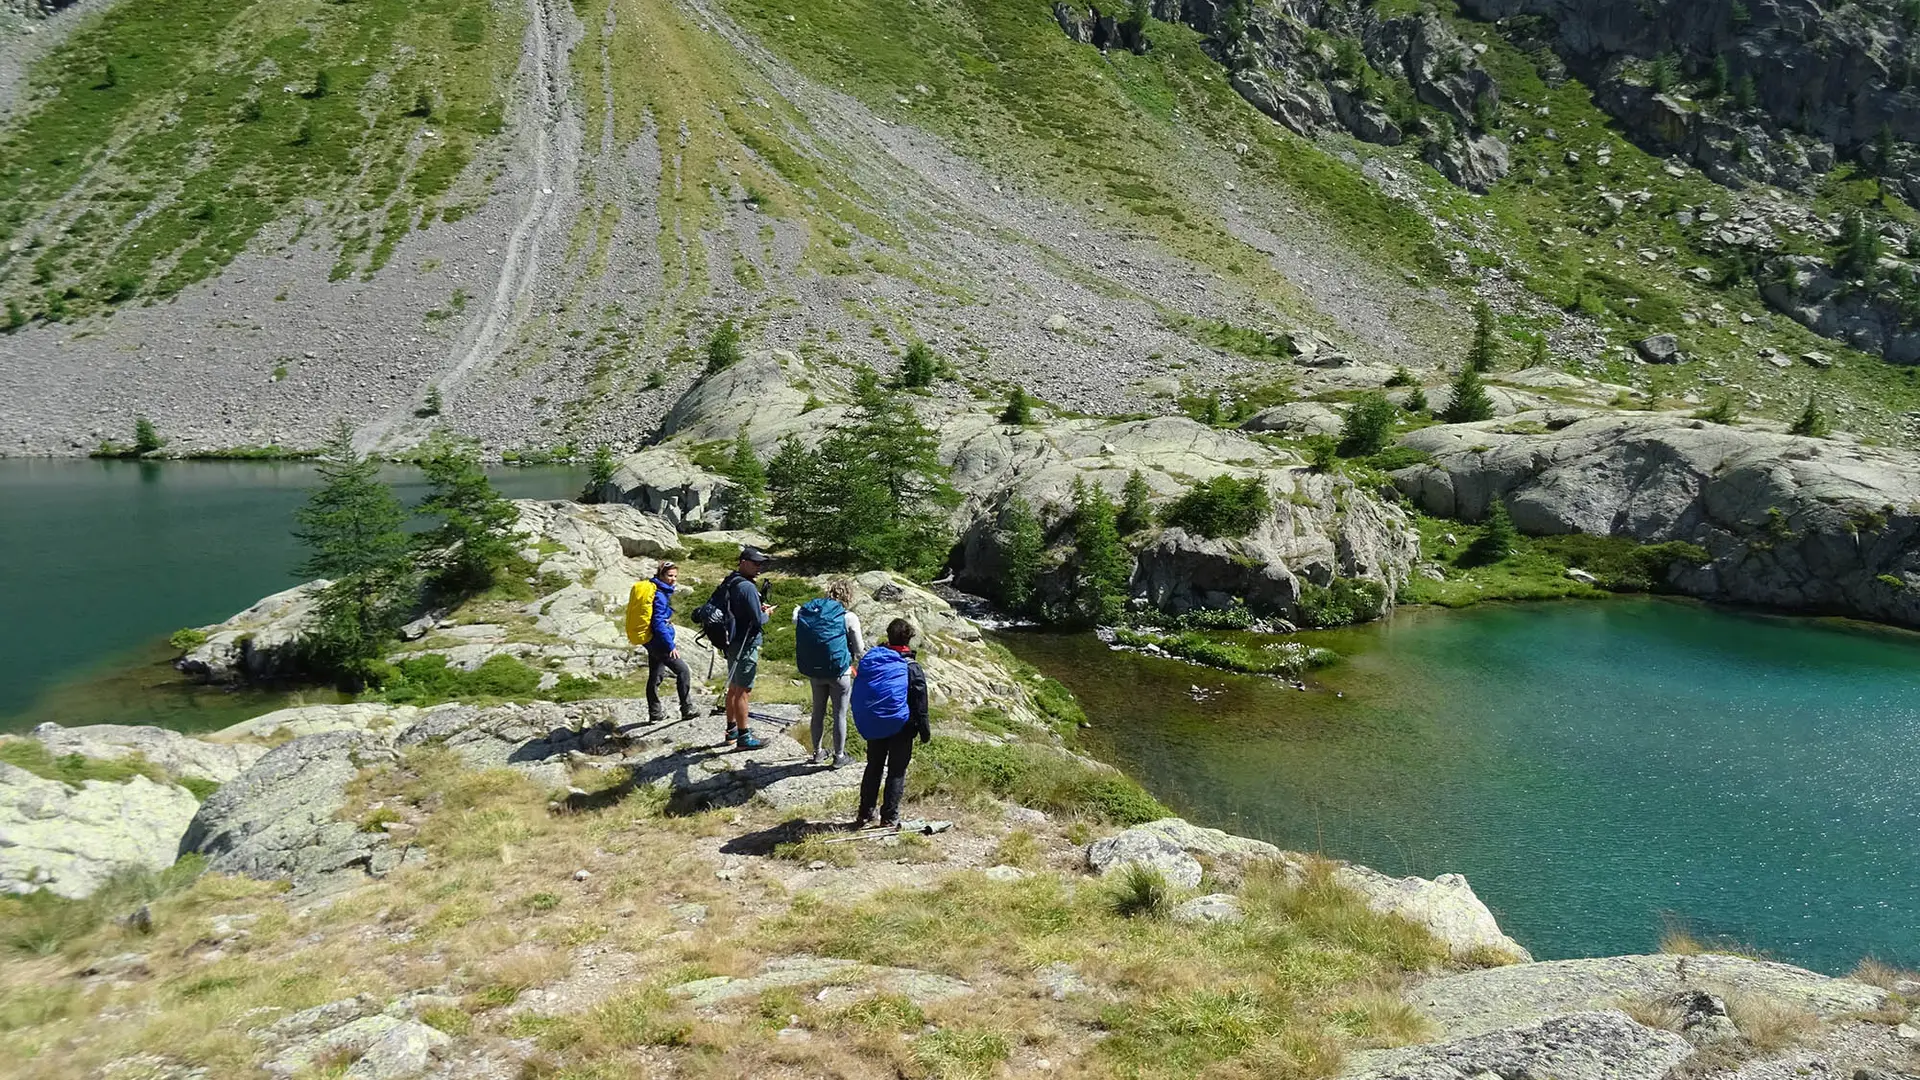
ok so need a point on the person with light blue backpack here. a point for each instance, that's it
(889, 702)
(826, 648)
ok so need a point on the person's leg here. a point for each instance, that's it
(899, 753)
(683, 679)
(870, 782)
(656, 667)
(821, 688)
(837, 691)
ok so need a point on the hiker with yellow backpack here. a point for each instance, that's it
(650, 625)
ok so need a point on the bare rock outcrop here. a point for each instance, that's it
(1799, 523)
(69, 840)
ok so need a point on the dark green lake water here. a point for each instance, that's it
(101, 560)
(1595, 769)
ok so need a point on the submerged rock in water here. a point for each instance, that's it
(70, 840)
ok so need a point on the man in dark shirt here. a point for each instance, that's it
(746, 624)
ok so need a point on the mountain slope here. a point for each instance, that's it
(594, 188)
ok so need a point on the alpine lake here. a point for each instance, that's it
(1599, 770)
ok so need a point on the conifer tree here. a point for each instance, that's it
(473, 540)
(789, 471)
(1483, 353)
(1538, 355)
(599, 473)
(1813, 421)
(1136, 509)
(353, 529)
(723, 347)
(1498, 538)
(873, 495)
(1023, 542)
(920, 367)
(1019, 408)
(1368, 425)
(747, 501)
(1469, 401)
(1102, 565)
(146, 438)
(1417, 400)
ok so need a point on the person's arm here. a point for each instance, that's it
(662, 626)
(917, 701)
(856, 645)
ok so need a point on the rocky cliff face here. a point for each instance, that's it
(1825, 79)
(1316, 66)
(1798, 523)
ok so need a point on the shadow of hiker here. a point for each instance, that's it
(791, 831)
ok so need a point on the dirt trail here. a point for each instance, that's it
(549, 183)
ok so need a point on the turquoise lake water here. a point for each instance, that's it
(101, 560)
(1596, 769)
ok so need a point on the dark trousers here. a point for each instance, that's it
(659, 662)
(890, 755)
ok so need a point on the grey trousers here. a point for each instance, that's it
(832, 691)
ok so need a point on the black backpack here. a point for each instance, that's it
(711, 617)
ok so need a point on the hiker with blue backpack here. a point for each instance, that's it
(650, 625)
(889, 702)
(826, 646)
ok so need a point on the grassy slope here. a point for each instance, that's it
(152, 177)
(1281, 994)
(1005, 86)
(1558, 237)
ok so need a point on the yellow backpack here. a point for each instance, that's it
(640, 612)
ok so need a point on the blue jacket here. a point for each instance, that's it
(889, 695)
(663, 616)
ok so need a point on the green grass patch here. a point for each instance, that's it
(145, 180)
(1035, 776)
(34, 757)
(1537, 569)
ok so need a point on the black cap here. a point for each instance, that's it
(753, 554)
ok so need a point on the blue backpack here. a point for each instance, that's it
(820, 639)
(879, 698)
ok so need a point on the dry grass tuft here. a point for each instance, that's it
(1770, 1025)
(1659, 1013)
(1017, 848)
(1885, 976)
(1378, 1018)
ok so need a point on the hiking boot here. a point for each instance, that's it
(656, 715)
(688, 712)
(727, 737)
(747, 742)
(864, 821)
(842, 760)
(816, 758)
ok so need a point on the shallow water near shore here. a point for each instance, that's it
(101, 560)
(1596, 769)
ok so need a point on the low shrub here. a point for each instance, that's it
(42, 924)
(1345, 601)
(187, 638)
(1222, 507)
(429, 679)
(1619, 564)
